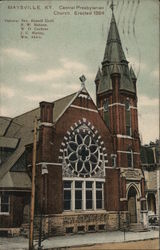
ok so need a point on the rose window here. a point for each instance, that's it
(83, 154)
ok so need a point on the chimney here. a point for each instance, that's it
(46, 131)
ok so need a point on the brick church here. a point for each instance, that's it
(88, 169)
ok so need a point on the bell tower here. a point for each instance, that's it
(117, 100)
(116, 97)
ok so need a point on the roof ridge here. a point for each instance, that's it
(25, 113)
(39, 107)
(65, 97)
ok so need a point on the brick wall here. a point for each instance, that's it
(17, 203)
(112, 189)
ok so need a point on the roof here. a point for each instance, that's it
(6, 142)
(21, 127)
(105, 83)
(99, 74)
(133, 76)
(16, 180)
(61, 104)
(114, 61)
(4, 122)
(114, 51)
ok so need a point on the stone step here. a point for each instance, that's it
(137, 227)
(24, 231)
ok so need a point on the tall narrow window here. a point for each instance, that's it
(4, 203)
(106, 112)
(78, 195)
(67, 195)
(99, 195)
(89, 195)
(130, 158)
(128, 118)
(113, 158)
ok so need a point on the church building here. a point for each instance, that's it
(88, 169)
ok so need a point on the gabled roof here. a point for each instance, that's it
(21, 127)
(61, 104)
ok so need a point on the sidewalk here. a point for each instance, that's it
(20, 243)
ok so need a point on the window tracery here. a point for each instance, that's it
(83, 153)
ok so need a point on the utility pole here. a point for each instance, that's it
(31, 229)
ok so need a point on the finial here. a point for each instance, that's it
(82, 79)
(112, 6)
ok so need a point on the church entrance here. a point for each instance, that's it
(132, 206)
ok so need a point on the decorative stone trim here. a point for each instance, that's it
(124, 136)
(86, 127)
(126, 152)
(116, 104)
(83, 108)
(123, 199)
(86, 96)
(46, 124)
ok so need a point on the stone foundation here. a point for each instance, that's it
(124, 220)
(83, 222)
(10, 231)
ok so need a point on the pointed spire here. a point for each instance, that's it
(99, 75)
(133, 76)
(112, 6)
(115, 62)
(114, 51)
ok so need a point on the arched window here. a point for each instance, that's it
(128, 118)
(106, 112)
(83, 169)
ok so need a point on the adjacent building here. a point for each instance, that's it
(150, 155)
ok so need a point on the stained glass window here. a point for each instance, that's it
(83, 154)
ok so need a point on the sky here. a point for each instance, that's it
(48, 68)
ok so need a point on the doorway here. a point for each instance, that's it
(132, 206)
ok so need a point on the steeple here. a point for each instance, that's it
(114, 61)
(113, 51)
